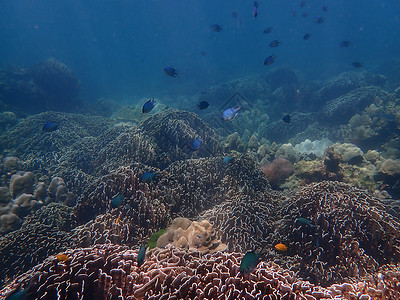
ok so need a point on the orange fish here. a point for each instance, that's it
(117, 220)
(62, 257)
(281, 247)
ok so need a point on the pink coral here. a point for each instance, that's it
(278, 170)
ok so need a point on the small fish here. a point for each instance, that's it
(227, 159)
(202, 104)
(303, 221)
(302, 4)
(274, 43)
(250, 261)
(318, 20)
(230, 113)
(197, 144)
(294, 13)
(307, 36)
(280, 247)
(117, 220)
(287, 119)
(235, 14)
(305, 14)
(357, 64)
(269, 60)
(203, 53)
(141, 256)
(255, 11)
(148, 176)
(170, 71)
(62, 257)
(344, 44)
(268, 30)
(117, 201)
(325, 8)
(216, 27)
(148, 106)
(154, 238)
(50, 126)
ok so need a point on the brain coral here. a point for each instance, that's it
(111, 272)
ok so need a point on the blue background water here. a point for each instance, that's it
(119, 48)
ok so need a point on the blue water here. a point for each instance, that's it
(118, 48)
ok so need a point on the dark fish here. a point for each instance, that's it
(203, 53)
(302, 4)
(274, 43)
(307, 36)
(325, 8)
(50, 126)
(216, 27)
(303, 222)
(148, 106)
(287, 119)
(345, 44)
(267, 30)
(117, 201)
(202, 104)
(148, 176)
(235, 14)
(227, 159)
(269, 60)
(357, 64)
(305, 14)
(294, 13)
(318, 20)
(197, 144)
(255, 12)
(170, 71)
(141, 256)
(250, 261)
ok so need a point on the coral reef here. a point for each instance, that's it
(341, 109)
(346, 82)
(48, 85)
(57, 83)
(243, 221)
(111, 272)
(348, 236)
(42, 234)
(191, 235)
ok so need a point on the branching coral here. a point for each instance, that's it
(348, 235)
(112, 272)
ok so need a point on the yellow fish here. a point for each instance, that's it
(281, 247)
(62, 257)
